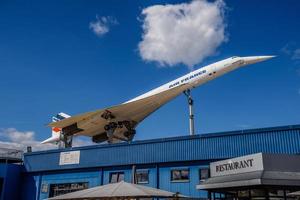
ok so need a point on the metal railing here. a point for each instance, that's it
(12, 154)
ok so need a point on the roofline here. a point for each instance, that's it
(253, 131)
(169, 139)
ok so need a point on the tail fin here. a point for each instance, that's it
(56, 132)
(60, 116)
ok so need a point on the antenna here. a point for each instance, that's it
(191, 111)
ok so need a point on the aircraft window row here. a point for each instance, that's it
(115, 177)
(212, 73)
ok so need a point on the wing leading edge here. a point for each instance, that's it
(125, 116)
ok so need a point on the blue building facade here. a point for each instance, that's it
(10, 173)
(175, 164)
(10, 181)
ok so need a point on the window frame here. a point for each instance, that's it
(139, 171)
(180, 180)
(200, 173)
(118, 173)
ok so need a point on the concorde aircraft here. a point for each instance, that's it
(118, 123)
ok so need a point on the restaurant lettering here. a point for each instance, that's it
(243, 164)
(235, 165)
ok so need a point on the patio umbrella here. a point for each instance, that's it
(120, 190)
(294, 194)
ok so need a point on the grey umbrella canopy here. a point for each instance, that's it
(294, 194)
(120, 190)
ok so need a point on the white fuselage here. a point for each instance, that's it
(142, 106)
(204, 74)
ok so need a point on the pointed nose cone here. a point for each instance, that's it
(255, 59)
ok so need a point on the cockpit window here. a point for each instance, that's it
(233, 57)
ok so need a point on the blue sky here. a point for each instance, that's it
(52, 61)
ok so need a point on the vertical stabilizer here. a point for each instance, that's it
(56, 132)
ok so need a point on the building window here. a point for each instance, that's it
(243, 194)
(258, 193)
(115, 177)
(142, 176)
(44, 188)
(275, 193)
(1, 186)
(180, 175)
(64, 188)
(203, 174)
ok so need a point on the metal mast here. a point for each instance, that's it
(191, 111)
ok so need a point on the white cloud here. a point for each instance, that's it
(182, 33)
(286, 49)
(296, 54)
(290, 50)
(102, 25)
(14, 139)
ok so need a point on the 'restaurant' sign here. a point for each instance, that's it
(238, 165)
(69, 157)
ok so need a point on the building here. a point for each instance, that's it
(178, 164)
(257, 176)
(10, 170)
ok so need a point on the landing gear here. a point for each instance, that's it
(66, 141)
(67, 135)
(110, 129)
(130, 134)
(112, 126)
(107, 115)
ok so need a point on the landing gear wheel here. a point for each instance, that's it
(130, 134)
(67, 141)
(106, 127)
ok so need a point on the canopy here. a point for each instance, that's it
(264, 177)
(294, 194)
(120, 190)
